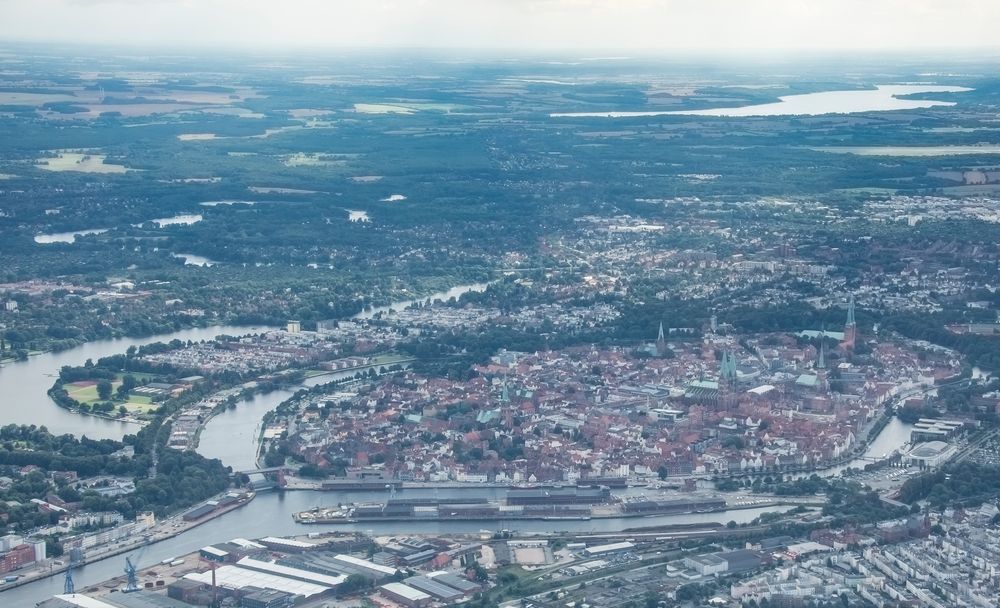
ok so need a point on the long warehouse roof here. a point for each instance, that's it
(234, 577)
(297, 573)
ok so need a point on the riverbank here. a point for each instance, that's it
(164, 530)
(269, 515)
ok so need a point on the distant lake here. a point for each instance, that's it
(910, 150)
(217, 203)
(66, 237)
(184, 219)
(880, 99)
(191, 259)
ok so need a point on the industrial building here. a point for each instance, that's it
(250, 575)
(266, 598)
(331, 564)
(464, 585)
(935, 429)
(200, 511)
(550, 496)
(130, 600)
(683, 505)
(436, 589)
(405, 595)
(608, 549)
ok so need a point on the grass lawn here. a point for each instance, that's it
(86, 392)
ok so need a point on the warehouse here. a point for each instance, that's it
(235, 578)
(199, 512)
(290, 572)
(370, 570)
(405, 595)
(434, 588)
(144, 599)
(606, 549)
(931, 429)
(551, 496)
(694, 505)
(467, 587)
(741, 560)
(287, 545)
(266, 598)
(74, 600)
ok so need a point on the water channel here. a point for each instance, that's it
(271, 514)
(24, 385)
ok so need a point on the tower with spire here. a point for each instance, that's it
(821, 360)
(727, 380)
(850, 328)
(661, 341)
(727, 369)
(820, 367)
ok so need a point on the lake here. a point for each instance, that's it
(229, 202)
(454, 292)
(910, 150)
(880, 99)
(66, 237)
(184, 219)
(191, 259)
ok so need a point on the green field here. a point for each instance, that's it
(86, 393)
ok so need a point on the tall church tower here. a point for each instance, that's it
(850, 328)
(661, 341)
(727, 381)
(820, 365)
(821, 360)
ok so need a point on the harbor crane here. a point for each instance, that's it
(132, 584)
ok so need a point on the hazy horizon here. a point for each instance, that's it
(643, 27)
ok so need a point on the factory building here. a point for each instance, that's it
(405, 595)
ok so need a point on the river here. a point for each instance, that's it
(271, 515)
(24, 385)
(233, 435)
(454, 292)
(894, 436)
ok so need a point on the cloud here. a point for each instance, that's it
(701, 25)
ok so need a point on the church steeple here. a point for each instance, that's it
(727, 369)
(661, 342)
(850, 328)
(821, 361)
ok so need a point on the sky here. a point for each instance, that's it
(639, 25)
